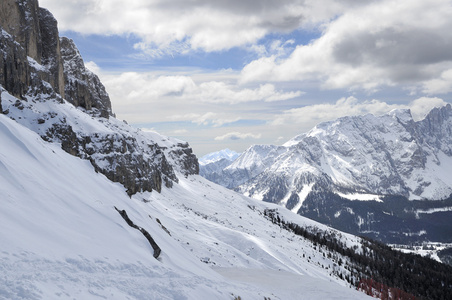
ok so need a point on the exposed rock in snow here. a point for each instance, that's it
(35, 89)
(82, 87)
(61, 236)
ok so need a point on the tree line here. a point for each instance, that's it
(415, 276)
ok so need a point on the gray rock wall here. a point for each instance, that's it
(82, 87)
(51, 54)
(29, 32)
(20, 18)
(15, 74)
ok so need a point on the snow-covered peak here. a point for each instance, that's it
(216, 156)
(403, 116)
(256, 156)
(389, 154)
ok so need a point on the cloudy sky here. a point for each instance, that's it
(232, 73)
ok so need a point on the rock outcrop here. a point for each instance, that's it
(82, 87)
(187, 161)
(20, 18)
(51, 54)
(39, 70)
(146, 234)
(15, 70)
(34, 29)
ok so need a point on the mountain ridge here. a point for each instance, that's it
(357, 173)
(41, 71)
(385, 155)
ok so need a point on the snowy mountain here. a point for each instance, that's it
(217, 156)
(64, 235)
(211, 166)
(231, 174)
(47, 88)
(353, 158)
(95, 209)
(385, 155)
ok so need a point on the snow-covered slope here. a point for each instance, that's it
(62, 237)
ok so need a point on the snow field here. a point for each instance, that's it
(61, 237)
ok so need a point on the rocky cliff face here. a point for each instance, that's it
(82, 87)
(436, 129)
(39, 71)
(51, 55)
(20, 18)
(15, 75)
(35, 30)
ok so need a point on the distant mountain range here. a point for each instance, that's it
(212, 165)
(366, 158)
(217, 156)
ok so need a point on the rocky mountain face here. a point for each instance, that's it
(33, 29)
(321, 174)
(381, 155)
(43, 79)
(81, 86)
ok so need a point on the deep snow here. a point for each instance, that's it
(61, 237)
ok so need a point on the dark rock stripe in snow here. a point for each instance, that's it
(146, 234)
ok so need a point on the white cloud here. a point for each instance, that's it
(134, 87)
(364, 45)
(422, 106)
(440, 85)
(201, 24)
(382, 43)
(309, 116)
(220, 92)
(237, 136)
(314, 114)
(209, 118)
(93, 67)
